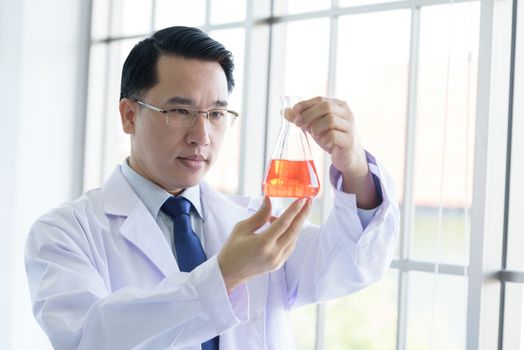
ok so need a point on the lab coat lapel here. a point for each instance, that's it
(143, 232)
(138, 227)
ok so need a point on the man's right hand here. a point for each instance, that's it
(247, 254)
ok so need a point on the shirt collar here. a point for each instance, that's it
(153, 196)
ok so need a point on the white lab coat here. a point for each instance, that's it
(102, 275)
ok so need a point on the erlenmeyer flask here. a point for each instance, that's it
(291, 171)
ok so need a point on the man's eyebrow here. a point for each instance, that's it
(177, 100)
(180, 101)
(221, 103)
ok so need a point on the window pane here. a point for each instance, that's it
(234, 11)
(454, 244)
(516, 219)
(374, 67)
(99, 22)
(170, 13)
(296, 58)
(366, 320)
(106, 143)
(224, 175)
(514, 317)
(95, 116)
(283, 7)
(445, 131)
(131, 17)
(116, 142)
(437, 306)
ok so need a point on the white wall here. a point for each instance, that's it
(41, 53)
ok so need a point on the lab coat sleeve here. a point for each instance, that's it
(77, 311)
(341, 257)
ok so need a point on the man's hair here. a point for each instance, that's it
(139, 72)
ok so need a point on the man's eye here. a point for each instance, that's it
(217, 114)
(180, 111)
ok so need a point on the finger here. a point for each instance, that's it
(321, 110)
(289, 239)
(293, 230)
(257, 220)
(334, 139)
(286, 247)
(309, 112)
(330, 122)
(283, 221)
(307, 104)
(289, 249)
(290, 114)
(284, 254)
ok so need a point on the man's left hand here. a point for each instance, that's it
(331, 124)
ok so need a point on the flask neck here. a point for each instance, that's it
(293, 142)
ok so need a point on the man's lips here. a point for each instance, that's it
(194, 162)
(195, 157)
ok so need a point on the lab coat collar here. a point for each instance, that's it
(139, 227)
(119, 198)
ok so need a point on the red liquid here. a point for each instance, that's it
(291, 178)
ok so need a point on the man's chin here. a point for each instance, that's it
(187, 181)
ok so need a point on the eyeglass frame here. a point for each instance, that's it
(194, 112)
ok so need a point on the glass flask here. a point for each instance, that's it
(291, 171)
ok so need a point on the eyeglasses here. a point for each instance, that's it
(219, 118)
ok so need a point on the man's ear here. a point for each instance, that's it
(128, 113)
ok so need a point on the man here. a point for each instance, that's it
(156, 259)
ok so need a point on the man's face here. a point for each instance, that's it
(176, 157)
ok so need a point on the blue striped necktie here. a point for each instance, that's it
(188, 249)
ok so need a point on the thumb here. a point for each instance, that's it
(290, 114)
(258, 219)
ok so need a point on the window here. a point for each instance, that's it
(410, 72)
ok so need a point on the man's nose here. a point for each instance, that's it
(198, 133)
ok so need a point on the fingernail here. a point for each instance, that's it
(299, 121)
